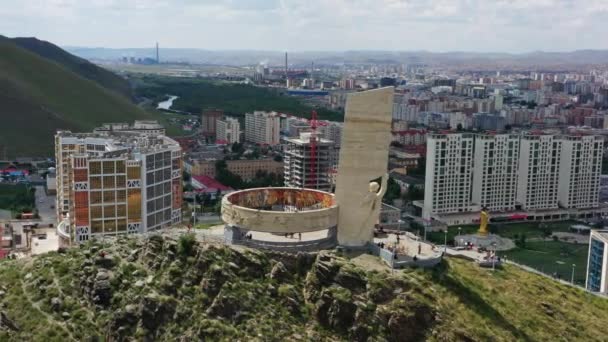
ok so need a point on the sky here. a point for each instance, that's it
(314, 25)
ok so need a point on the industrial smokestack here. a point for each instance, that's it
(286, 75)
(157, 56)
(285, 64)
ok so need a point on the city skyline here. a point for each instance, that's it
(336, 25)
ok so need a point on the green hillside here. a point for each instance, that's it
(166, 289)
(38, 96)
(80, 66)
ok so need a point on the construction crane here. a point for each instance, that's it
(313, 149)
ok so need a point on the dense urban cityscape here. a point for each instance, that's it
(164, 193)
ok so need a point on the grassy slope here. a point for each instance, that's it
(82, 67)
(472, 304)
(38, 96)
(512, 304)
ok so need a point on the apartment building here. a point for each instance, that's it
(228, 130)
(245, 168)
(300, 171)
(538, 171)
(332, 131)
(529, 172)
(597, 262)
(209, 119)
(495, 171)
(449, 173)
(113, 182)
(262, 128)
(579, 171)
(146, 127)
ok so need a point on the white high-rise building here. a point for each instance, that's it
(507, 172)
(579, 171)
(331, 130)
(449, 172)
(538, 172)
(228, 130)
(263, 128)
(495, 171)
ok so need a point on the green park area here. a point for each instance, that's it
(195, 94)
(553, 257)
(17, 198)
(535, 246)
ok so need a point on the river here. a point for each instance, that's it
(167, 104)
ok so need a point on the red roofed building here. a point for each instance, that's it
(208, 185)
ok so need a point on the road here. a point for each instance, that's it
(43, 204)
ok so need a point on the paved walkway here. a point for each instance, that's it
(408, 245)
(44, 245)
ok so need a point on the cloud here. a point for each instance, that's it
(437, 25)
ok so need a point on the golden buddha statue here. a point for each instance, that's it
(484, 217)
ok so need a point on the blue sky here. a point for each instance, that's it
(434, 25)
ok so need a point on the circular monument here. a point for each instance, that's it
(284, 211)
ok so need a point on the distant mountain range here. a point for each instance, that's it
(248, 57)
(43, 88)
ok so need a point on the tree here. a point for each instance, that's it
(545, 230)
(459, 127)
(278, 158)
(393, 191)
(237, 148)
(420, 168)
(413, 194)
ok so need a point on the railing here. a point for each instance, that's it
(400, 261)
(63, 229)
(235, 236)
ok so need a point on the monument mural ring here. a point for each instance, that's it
(280, 210)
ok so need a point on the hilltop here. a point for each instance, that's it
(39, 96)
(79, 66)
(159, 288)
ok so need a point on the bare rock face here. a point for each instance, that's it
(411, 323)
(56, 304)
(224, 306)
(156, 310)
(6, 323)
(279, 272)
(102, 290)
(123, 322)
(351, 280)
(335, 312)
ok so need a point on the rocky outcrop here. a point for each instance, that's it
(6, 323)
(156, 310)
(351, 279)
(124, 322)
(102, 290)
(279, 272)
(147, 289)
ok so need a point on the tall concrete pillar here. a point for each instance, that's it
(363, 158)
